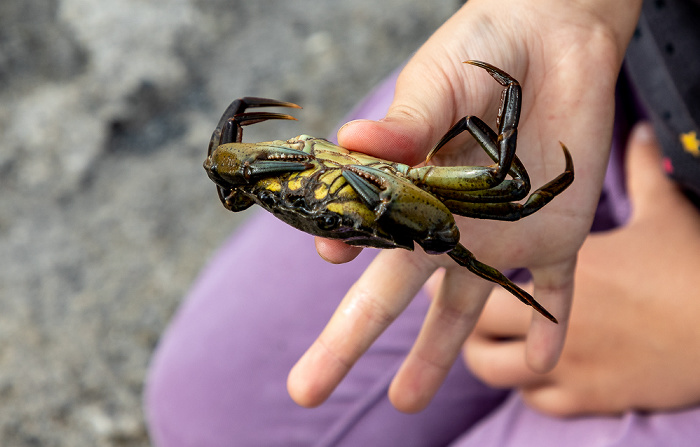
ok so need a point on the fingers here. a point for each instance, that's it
(554, 289)
(334, 251)
(495, 352)
(452, 315)
(388, 138)
(513, 346)
(423, 108)
(374, 301)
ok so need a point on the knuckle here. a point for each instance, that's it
(372, 306)
(556, 402)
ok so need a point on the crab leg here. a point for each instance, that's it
(484, 192)
(369, 191)
(474, 183)
(465, 258)
(511, 211)
(501, 148)
(482, 184)
(374, 187)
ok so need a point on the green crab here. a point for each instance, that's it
(331, 192)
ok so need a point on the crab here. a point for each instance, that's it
(332, 192)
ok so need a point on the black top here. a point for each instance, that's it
(663, 64)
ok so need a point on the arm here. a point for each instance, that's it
(567, 56)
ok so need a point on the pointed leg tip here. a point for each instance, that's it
(549, 316)
(499, 75)
(567, 156)
(540, 309)
(484, 65)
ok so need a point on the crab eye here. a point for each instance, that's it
(328, 222)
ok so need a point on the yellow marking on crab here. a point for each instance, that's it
(296, 179)
(345, 210)
(272, 185)
(336, 208)
(345, 190)
(295, 183)
(690, 143)
(331, 178)
(321, 191)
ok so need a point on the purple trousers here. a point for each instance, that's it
(218, 377)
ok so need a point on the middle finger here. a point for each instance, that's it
(451, 317)
(382, 292)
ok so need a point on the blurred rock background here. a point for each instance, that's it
(106, 215)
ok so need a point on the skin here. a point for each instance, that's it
(633, 335)
(567, 56)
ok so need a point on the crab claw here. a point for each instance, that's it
(231, 167)
(229, 129)
(232, 130)
(245, 119)
(253, 101)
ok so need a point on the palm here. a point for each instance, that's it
(450, 90)
(568, 72)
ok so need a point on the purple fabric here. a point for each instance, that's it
(514, 424)
(218, 375)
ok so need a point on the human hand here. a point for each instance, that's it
(634, 341)
(567, 58)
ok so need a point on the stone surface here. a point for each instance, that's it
(106, 215)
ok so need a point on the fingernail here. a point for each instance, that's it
(643, 133)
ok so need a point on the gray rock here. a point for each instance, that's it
(106, 215)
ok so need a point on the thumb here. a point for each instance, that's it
(422, 110)
(647, 183)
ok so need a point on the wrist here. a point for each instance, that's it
(617, 17)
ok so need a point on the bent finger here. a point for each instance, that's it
(501, 364)
(504, 317)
